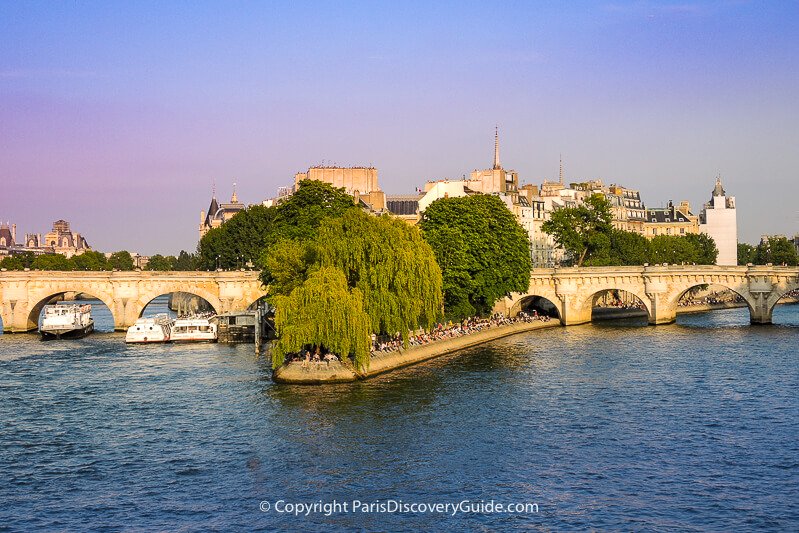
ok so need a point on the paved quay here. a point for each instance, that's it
(337, 372)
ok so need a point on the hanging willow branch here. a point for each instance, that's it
(323, 311)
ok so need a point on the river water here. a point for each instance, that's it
(619, 425)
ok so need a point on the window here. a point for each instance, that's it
(682, 231)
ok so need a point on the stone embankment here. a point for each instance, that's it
(337, 372)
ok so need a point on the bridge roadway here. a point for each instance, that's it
(573, 291)
(126, 294)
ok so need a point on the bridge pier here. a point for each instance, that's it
(760, 312)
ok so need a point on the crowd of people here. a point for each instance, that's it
(715, 298)
(451, 330)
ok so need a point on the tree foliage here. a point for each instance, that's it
(584, 230)
(746, 253)
(51, 262)
(322, 311)
(586, 233)
(158, 262)
(121, 261)
(12, 262)
(483, 252)
(89, 261)
(386, 265)
(777, 251)
(243, 238)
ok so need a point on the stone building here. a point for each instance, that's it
(359, 182)
(670, 220)
(718, 219)
(62, 240)
(8, 236)
(218, 214)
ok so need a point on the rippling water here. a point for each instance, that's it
(688, 426)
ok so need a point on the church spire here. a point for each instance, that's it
(234, 199)
(497, 166)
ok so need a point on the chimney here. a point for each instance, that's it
(13, 233)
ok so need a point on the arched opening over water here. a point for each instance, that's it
(786, 309)
(538, 305)
(101, 311)
(727, 306)
(618, 304)
(177, 304)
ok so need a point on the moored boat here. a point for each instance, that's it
(197, 328)
(66, 321)
(156, 328)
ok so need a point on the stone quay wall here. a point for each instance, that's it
(337, 372)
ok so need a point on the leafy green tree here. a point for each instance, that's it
(89, 261)
(51, 262)
(452, 255)
(583, 231)
(705, 248)
(628, 248)
(672, 249)
(322, 311)
(12, 262)
(26, 258)
(483, 252)
(160, 263)
(746, 253)
(121, 260)
(184, 262)
(777, 251)
(243, 238)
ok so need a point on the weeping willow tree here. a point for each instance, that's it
(388, 268)
(322, 311)
(392, 266)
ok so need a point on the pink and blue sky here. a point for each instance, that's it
(119, 116)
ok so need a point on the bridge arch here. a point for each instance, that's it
(37, 301)
(543, 305)
(584, 310)
(740, 290)
(135, 309)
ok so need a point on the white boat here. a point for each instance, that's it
(66, 321)
(156, 328)
(194, 329)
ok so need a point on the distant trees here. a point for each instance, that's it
(96, 261)
(483, 252)
(243, 238)
(588, 237)
(120, 261)
(775, 250)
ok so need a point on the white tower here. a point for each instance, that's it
(718, 220)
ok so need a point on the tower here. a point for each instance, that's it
(719, 221)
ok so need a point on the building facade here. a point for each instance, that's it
(670, 220)
(218, 213)
(718, 219)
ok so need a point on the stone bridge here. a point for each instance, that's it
(126, 294)
(573, 291)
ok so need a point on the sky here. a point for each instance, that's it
(120, 116)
